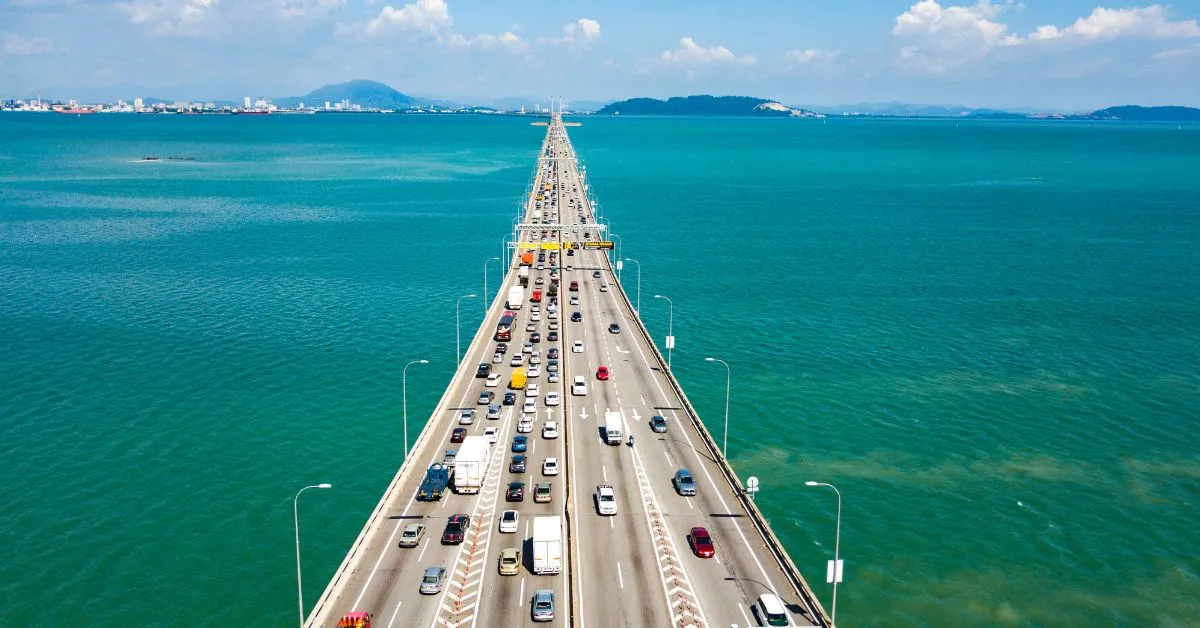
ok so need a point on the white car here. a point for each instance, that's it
(552, 377)
(553, 314)
(550, 466)
(508, 521)
(517, 360)
(531, 391)
(570, 267)
(525, 425)
(552, 398)
(603, 287)
(493, 380)
(497, 358)
(550, 430)
(574, 300)
(577, 346)
(533, 371)
(535, 358)
(527, 347)
(553, 325)
(530, 406)
(466, 417)
(535, 316)
(492, 434)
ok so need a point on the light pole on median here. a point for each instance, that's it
(834, 571)
(620, 247)
(485, 290)
(639, 288)
(728, 380)
(670, 327)
(458, 328)
(296, 519)
(404, 396)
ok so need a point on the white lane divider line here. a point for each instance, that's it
(620, 579)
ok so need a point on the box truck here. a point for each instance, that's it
(613, 425)
(516, 298)
(547, 545)
(471, 464)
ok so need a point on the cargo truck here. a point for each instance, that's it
(523, 276)
(612, 428)
(471, 464)
(527, 258)
(437, 477)
(516, 298)
(547, 545)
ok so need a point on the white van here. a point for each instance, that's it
(579, 386)
(770, 610)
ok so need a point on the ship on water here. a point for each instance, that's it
(75, 110)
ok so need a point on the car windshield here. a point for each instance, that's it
(509, 515)
(430, 579)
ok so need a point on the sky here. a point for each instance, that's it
(1044, 54)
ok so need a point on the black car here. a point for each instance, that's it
(510, 398)
(458, 435)
(517, 465)
(515, 492)
(535, 337)
(658, 424)
(502, 348)
(552, 353)
(614, 328)
(575, 318)
(484, 370)
(456, 530)
(552, 336)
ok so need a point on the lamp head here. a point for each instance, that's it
(811, 483)
(423, 362)
(710, 359)
(324, 486)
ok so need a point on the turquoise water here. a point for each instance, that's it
(985, 334)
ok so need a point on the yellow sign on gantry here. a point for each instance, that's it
(598, 245)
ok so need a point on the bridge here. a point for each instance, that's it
(641, 566)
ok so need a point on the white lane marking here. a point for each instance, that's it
(521, 595)
(742, 607)
(611, 524)
(666, 455)
(604, 470)
(422, 555)
(532, 446)
(392, 619)
(620, 580)
(689, 503)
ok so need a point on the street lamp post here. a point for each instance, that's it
(404, 395)
(728, 380)
(458, 327)
(485, 290)
(639, 288)
(296, 519)
(834, 571)
(670, 327)
(620, 247)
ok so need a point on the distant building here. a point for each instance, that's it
(246, 102)
(327, 105)
(137, 103)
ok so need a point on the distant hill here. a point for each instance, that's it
(370, 94)
(913, 110)
(1136, 113)
(700, 106)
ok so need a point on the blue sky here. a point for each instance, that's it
(1053, 54)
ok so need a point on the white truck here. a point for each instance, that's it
(547, 545)
(613, 425)
(471, 464)
(523, 276)
(516, 298)
(606, 499)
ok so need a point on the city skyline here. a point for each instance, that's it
(1069, 55)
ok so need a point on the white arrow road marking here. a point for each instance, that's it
(620, 350)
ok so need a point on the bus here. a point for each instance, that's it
(504, 327)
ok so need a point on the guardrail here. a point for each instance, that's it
(773, 543)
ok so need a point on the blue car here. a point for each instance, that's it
(520, 443)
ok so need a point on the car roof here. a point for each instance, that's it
(543, 594)
(508, 552)
(413, 527)
(434, 571)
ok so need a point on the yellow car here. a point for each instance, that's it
(510, 561)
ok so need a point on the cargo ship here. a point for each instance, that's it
(75, 111)
(251, 112)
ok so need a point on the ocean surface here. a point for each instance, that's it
(985, 334)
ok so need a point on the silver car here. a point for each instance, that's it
(432, 581)
(543, 605)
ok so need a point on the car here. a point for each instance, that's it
(535, 337)
(606, 499)
(493, 411)
(570, 267)
(483, 370)
(412, 535)
(502, 348)
(684, 483)
(517, 464)
(577, 346)
(542, 266)
(531, 327)
(552, 314)
(535, 358)
(579, 386)
(517, 360)
(533, 371)
(603, 287)
(527, 347)
(485, 397)
(552, 353)
(449, 457)
(514, 493)
(574, 300)
(510, 561)
(510, 398)
(492, 434)
(576, 317)
(520, 444)
(614, 328)
(701, 543)
(432, 580)
(552, 377)
(550, 466)
(458, 434)
(535, 316)
(552, 398)
(553, 325)
(602, 373)
(595, 274)
(532, 391)
(658, 424)
(456, 529)
(541, 492)
(530, 406)
(552, 336)
(466, 417)
(497, 358)
(542, 605)
(540, 281)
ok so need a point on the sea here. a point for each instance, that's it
(985, 334)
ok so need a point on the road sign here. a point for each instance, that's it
(670, 342)
(832, 572)
(549, 246)
(619, 264)
(598, 245)
(752, 484)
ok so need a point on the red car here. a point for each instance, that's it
(574, 287)
(602, 373)
(701, 543)
(458, 434)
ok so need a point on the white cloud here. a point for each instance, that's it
(291, 9)
(17, 45)
(428, 16)
(169, 17)
(1149, 22)
(690, 53)
(583, 28)
(811, 55)
(1179, 53)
